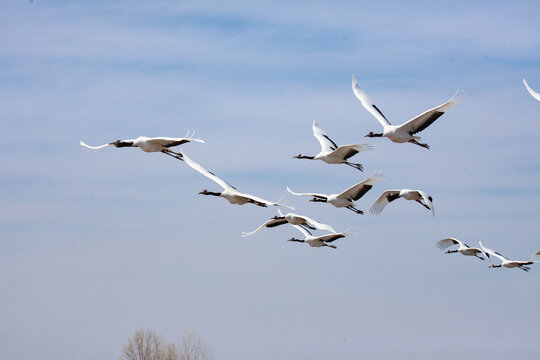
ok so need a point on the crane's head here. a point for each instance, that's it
(300, 156)
(122, 143)
(206, 192)
(372, 134)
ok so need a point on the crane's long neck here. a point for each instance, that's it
(372, 134)
(315, 199)
(305, 157)
(205, 192)
(123, 143)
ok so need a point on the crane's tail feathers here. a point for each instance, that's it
(348, 232)
(376, 177)
(365, 146)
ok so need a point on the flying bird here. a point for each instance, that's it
(229, 192)
(504, 261)
(147, 144)
(463, 248)
(293, 219)
(390, 195)
(333, 154)
(531, 91)
(405, 132)
(346, 198)
(318, 241)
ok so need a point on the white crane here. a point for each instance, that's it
(533, 93)
(391, 195)
(464, 249)
(333, 154)
(229, 192)
(405, 132)
(346, 198)
(318, 241)
(293, 219)
(147, 144)
(504, 261)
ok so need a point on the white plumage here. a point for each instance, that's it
(504, 261)
(293, 219)
(346, 198)
(405, 132)
(229, 192)
(318, 241)
(390, 195)
(331, 153)
(147, 144)
(464, 249)
(533, 93)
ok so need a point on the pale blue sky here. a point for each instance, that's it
(94, 245)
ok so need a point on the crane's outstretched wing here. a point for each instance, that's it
(170, 142)
(332, 237)
(255, 199)
(95, 147)
(445, 243)
(368, 104)
(317, 225)
(310, 221)
(427, 118)
(533, 93)
(356, 191)
(273, 222)
(320, 196)
(347, 151)
(383, 200)
(302, 230)
(326, 143)
(488, 253)
(428, 201)
(206, 173)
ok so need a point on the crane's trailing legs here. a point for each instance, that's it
(173, 154)
(419, 144)
(357, 166)
(350, 207)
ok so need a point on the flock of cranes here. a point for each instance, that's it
(331, 153)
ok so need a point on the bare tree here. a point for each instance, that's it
(194, 348)
(148, 345)
(144, 345)
(170, 352)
